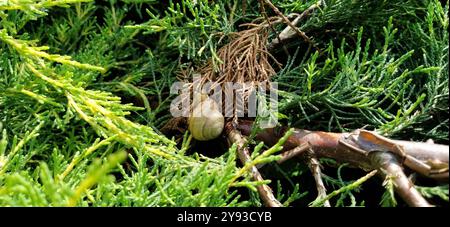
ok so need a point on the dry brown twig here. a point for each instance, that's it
(287, 21)
(391, 169)
(314, 166)
(234, 136)
(291, 30)
(368, 153)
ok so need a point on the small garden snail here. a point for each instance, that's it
(206, 121)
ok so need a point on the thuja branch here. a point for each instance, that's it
(355, 184)
(24, 48)
(35, 6)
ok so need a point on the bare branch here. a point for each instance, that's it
(389, 167)
(234, 136)
(290, 25)
(368, 151)
(314, 167)
(289, 32)
(353, 148)
(294, 152)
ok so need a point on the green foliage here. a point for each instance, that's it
(388, 199)
(84, 87)
(345, 189)
(190, 26)
(430, 192)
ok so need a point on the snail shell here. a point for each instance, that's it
(206, 121)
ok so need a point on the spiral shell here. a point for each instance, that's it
(206, 121)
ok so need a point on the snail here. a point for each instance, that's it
(206, 122)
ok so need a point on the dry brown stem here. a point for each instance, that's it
(292, 30)
(314, 167)
(292, 26)
(368, 151)
(234, 136)
(391, 169)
